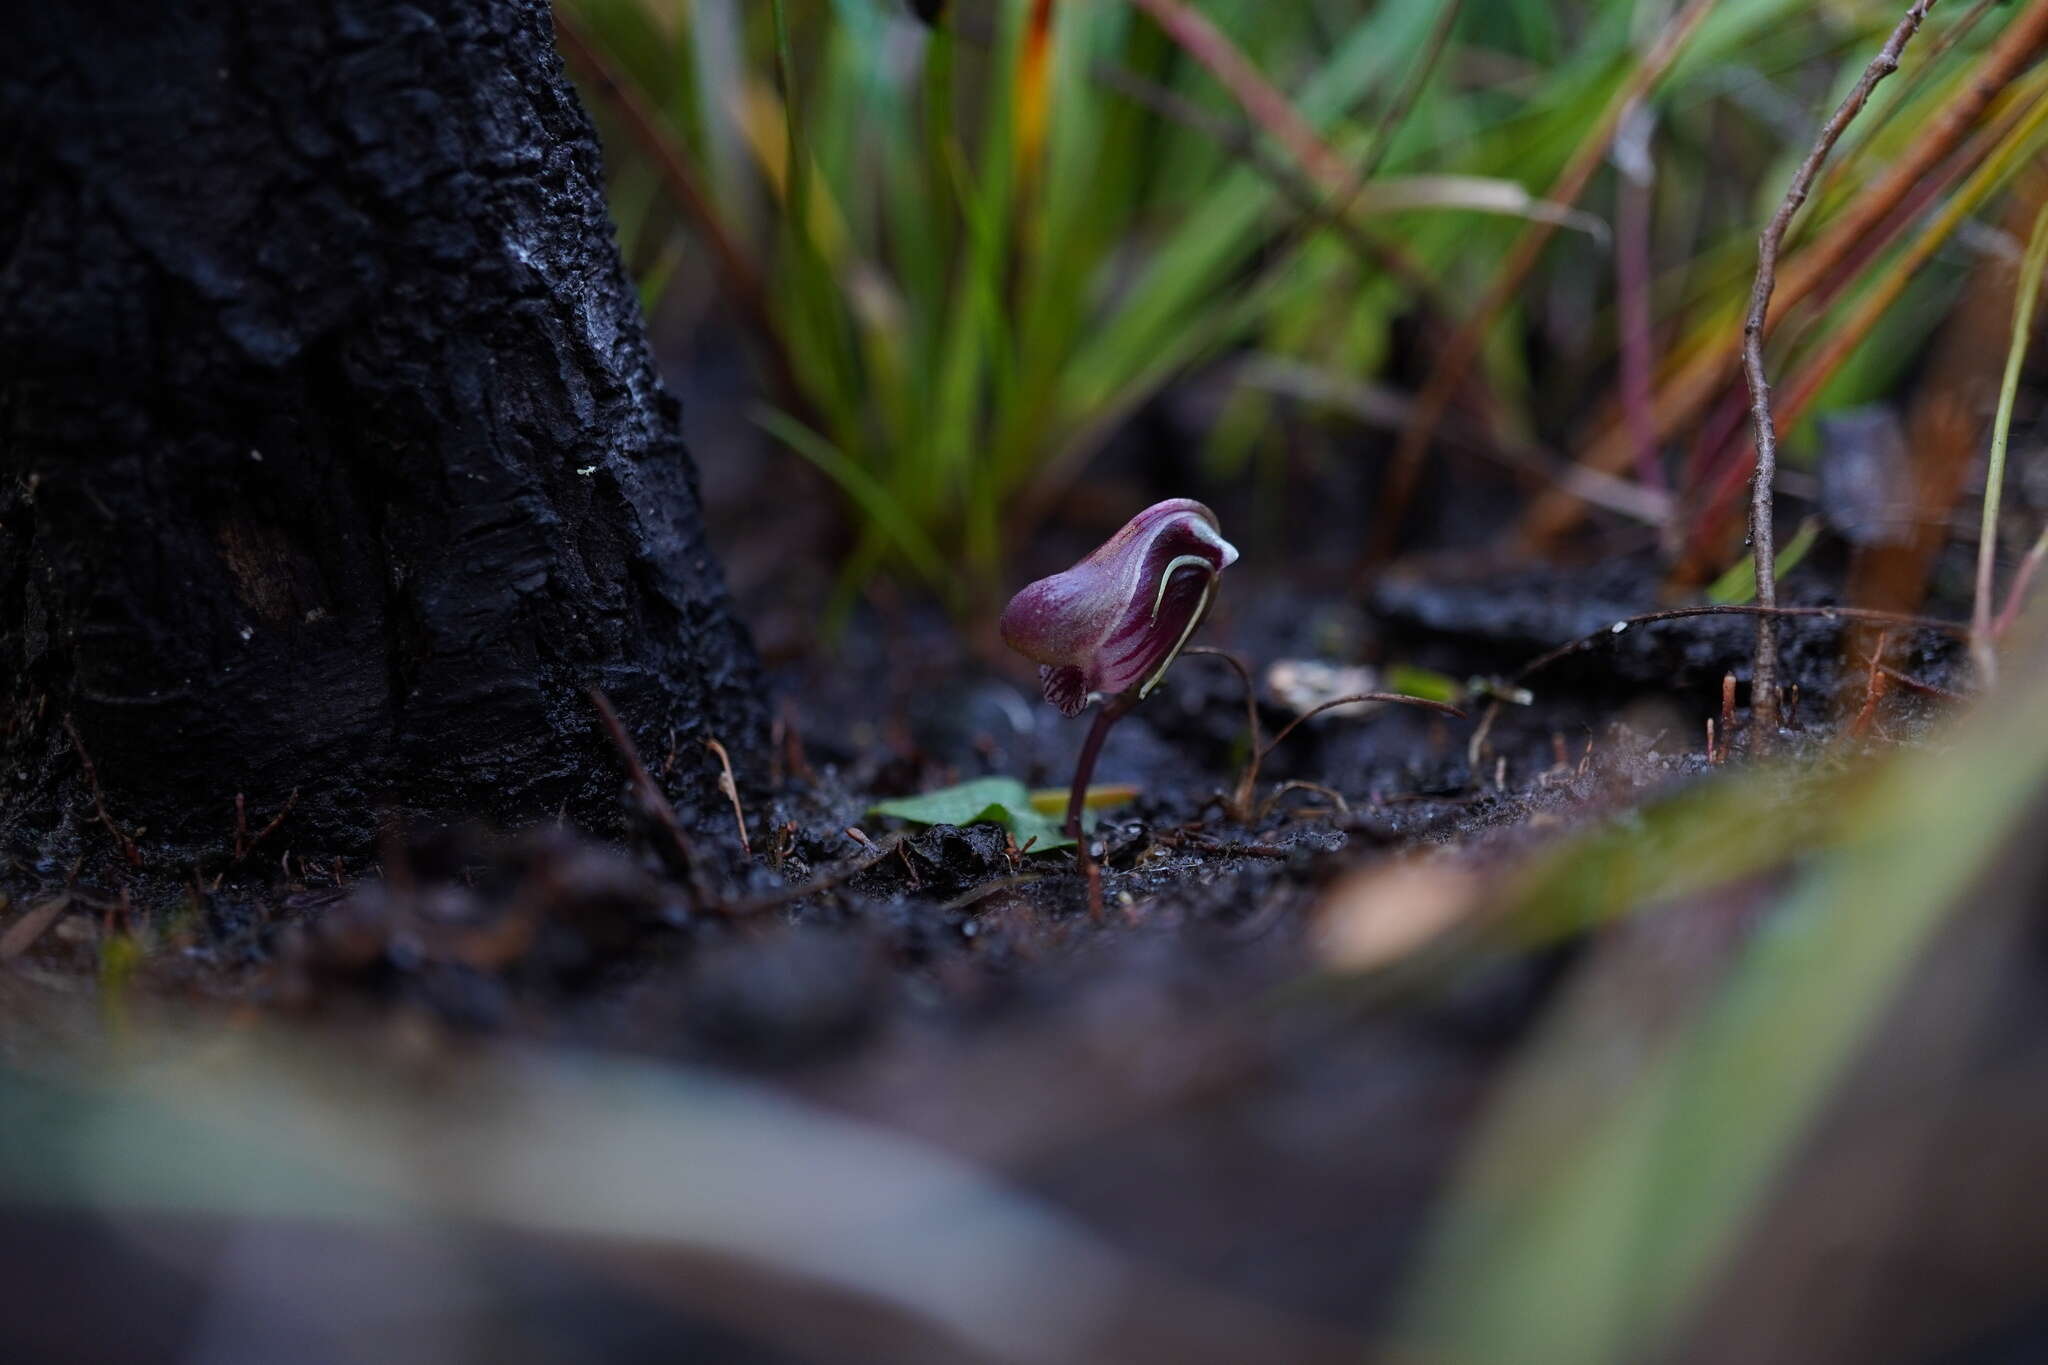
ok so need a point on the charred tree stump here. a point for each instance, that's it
(332, 456)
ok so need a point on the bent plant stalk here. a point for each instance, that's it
(1763, 685)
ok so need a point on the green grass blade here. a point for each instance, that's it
(868, 493)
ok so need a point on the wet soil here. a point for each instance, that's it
(1160, 1072)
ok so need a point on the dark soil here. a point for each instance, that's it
(1160, 1074)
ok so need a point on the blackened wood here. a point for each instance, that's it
(332, 456)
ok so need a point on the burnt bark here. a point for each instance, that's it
(332, 455)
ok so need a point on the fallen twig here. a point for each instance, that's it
(99, 799)
(990, 888)
(1203, 843)
(1475, 750)
(1920, 685)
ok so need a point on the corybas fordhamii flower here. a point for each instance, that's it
(1112, 625)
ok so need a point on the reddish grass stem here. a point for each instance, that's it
(1448, 374)
(1764, 671)
(1261, 101)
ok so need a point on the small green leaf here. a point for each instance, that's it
(1411, 681)
(1002, 800)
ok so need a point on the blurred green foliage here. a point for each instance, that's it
(984, 256)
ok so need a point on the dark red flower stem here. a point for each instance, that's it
(1077, 800)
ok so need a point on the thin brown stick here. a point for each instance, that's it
(1959, 629)
(1938, 47)
(1239, 804)
(1920, 685)
(1448, 373)
(652, 799)
(1763, 700)
(99, 799)
(2008, 57)
(730, 789)
(244, 844)
(1188, 837)
(1986, 159)
(975, 895)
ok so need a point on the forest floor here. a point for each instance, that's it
(1204, 1075)
(1249, 1072)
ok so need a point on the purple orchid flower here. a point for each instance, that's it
(1115, 622)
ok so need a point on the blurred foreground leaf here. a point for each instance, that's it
(662, 1177)
(1615, 1174)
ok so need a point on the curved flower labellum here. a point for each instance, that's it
(1113, 623)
